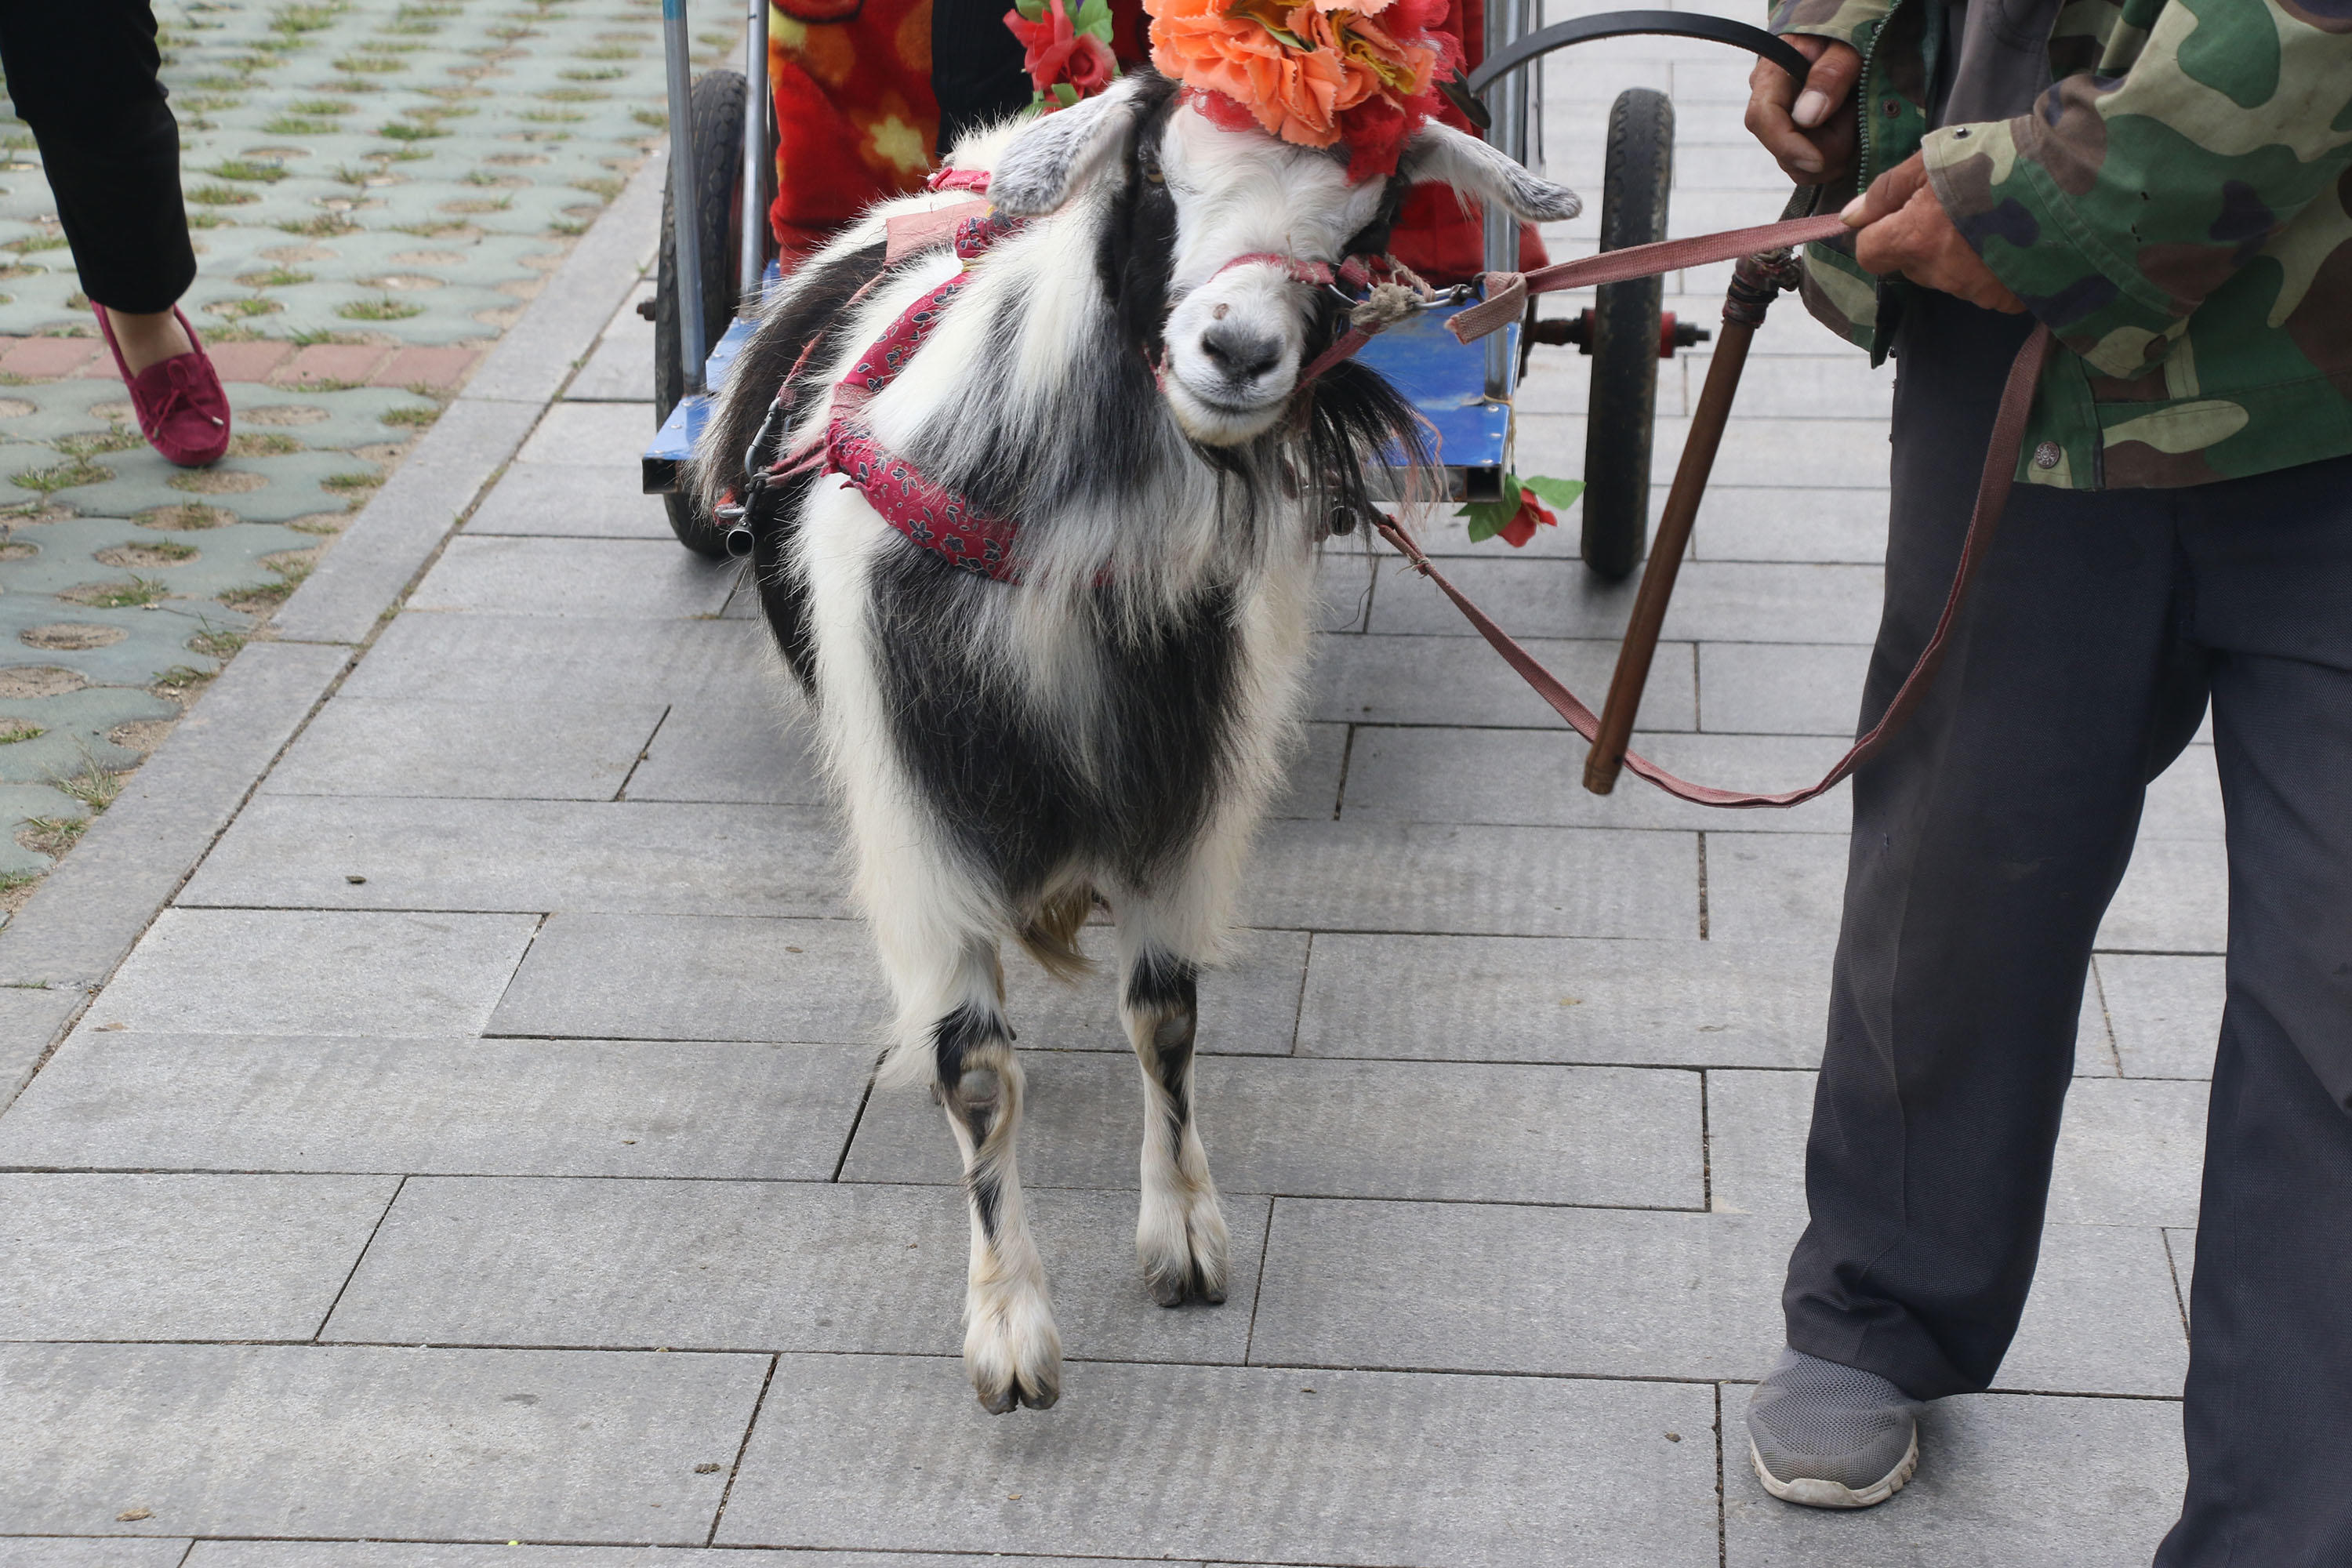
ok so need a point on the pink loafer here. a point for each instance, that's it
(181, 410)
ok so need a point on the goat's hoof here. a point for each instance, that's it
(1184, 1253)
(1012, 1350)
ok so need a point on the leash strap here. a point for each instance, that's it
(1984, 520)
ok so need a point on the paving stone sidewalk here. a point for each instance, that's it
(474, 1164)
(376, 188)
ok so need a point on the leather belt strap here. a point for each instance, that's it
(1506, 292)
(1992, 494)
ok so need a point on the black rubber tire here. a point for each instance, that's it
(719, 107)
(1624, 338)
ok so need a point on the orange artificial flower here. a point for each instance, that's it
(1296, 68)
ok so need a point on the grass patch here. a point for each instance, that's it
(93, 785)
(247, 170)
(276, 277)
(51, 835)
(234, 309)
(318, 106)
(377, 65)
(344, 484)
(413, 417)
(299, 19)
(36, 242)
(571, 95)
(386, 308)
(61, 477)
(220, 196)
(403, 130)
(297, 125)
(262, 444)
(120, 595)
(611, 51)
(212, 642)
(652, 118)
(181, 681)
(568, 227)
(120, 438)
(14, 732)
(326, 226)
(601, 187)
(593, 73)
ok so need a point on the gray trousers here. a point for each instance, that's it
(1988, 839)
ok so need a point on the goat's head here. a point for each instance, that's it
(1200, 225)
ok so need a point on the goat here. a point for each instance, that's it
(1107, 717)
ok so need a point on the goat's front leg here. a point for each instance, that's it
(1011, 1350)
(1179, 1235)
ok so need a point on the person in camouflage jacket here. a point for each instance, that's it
(2167, 186)
(2177, 209)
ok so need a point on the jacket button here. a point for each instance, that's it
(2046, 455)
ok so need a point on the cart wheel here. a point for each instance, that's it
(1624, 336)
(719, 101)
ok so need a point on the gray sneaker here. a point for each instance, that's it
(1830, 1436)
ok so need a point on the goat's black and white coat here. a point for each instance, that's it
(1113, 724)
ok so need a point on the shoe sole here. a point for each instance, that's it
(1811, 1492)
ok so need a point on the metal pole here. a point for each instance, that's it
(687, 282)
(1509, 106)
(754, 261)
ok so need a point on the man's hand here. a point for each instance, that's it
(1810, 133)
(1905, 229)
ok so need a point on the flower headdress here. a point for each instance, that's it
(1067, 58)
(1320, 73)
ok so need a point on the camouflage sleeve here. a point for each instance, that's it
(2127, 196)
(1841, 19)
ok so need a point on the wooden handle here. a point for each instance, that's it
(1641, 646)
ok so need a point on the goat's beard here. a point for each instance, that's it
(1206, 424)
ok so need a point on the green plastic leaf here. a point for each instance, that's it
(1031, 10)
(1559, 492)
(1487, 517)
(1094, 16)
(1064, 94)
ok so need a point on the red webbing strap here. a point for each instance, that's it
(1992, 494)
(1506, 292)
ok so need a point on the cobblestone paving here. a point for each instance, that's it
(474, 1165)
(376, 190)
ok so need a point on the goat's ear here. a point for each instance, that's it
(1449, 157)
(1047, 162)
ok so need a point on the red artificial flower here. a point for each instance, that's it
(1055, 51)
(1523, 523)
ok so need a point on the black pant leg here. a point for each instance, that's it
(2269, 1412)
(82, 74)
(1987, 841)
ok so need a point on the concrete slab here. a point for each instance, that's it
(758, 1266)
(1536, 778)
(1578, 1292)
(1775, 886)
(489, 1106)
(561, 500)
(1476, 1132)
(536, 658)
(647, 856)
(420, 1554)
(1450, 681)
(2185, 801)
(747, 749)
(285, 1440)
(877, 1452)
(29, 1021)
(2182, 1247)
(570, 750)
(102, 1256)
(1757, 1124)
(2165, 1012)
(2015, 1480)
(2103, 1317)
(1763, 688)
(1500, 881)
(1747, 602)
(591, 435)
(1312, 791)
(599, 579)
(314, 972)
(1662, 1003)
(2174, 899)
(85, 1552)
(2131, 1152)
